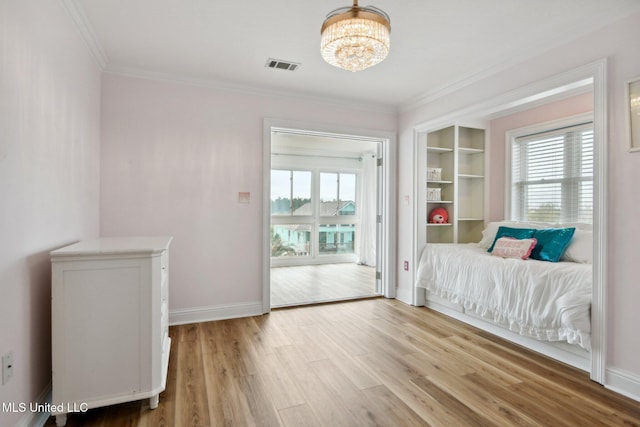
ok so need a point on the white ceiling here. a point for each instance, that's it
(296, 143)
(434, 45)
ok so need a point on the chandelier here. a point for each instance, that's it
(355, 38)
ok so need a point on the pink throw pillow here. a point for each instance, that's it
(508, 247)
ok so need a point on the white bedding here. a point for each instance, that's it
(539, 299)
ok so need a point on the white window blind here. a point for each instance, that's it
(552, 175)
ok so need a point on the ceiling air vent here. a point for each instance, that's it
(282, 65)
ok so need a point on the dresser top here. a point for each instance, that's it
(114, 246)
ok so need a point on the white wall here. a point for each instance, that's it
(175, 156)
(49, 177)
(620, 43)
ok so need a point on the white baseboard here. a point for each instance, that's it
(37, 419)
(216, 312)
(623, 382)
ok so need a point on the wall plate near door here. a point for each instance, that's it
(7, 367)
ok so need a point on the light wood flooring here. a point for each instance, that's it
(373, 362)
(309, 284)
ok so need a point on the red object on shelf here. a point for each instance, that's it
(438, 216)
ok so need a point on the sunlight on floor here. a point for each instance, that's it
(320, 283)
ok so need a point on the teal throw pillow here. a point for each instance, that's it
(516, 233)
(552, 243)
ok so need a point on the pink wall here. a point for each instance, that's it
(620, 44)
(497, 129)
(49, 177)
(174, 158)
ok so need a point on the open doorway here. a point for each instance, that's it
(324, 210)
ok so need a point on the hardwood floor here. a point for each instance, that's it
(374, 362)
(307, 284)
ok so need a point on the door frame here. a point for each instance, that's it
(387, 192)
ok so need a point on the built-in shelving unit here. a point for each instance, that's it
(458, 154)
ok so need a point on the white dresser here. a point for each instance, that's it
(110, 307)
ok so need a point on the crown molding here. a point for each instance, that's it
(249, 89)
(585, 29)
(86, 31)
(442, 91)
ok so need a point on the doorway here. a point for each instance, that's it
(325, 223)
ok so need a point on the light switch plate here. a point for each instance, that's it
(7, 367)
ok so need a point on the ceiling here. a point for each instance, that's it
(434, 45)
(309, 144)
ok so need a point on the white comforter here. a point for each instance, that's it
(538, 299)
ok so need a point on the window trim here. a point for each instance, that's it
(512, 134)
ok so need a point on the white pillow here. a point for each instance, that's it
(580, 248)
(489, 233)
(576, 225)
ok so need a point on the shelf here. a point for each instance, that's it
(470, 150)
(459, 152)
(439, 150)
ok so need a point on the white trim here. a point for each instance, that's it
(623, 382)
(388, 143)
(537, 93)
(214, 312)
(266, 214)
(37, 419)
(84, 27)
(627, 114)
(417, 294)
(594, 73)
(600, 221)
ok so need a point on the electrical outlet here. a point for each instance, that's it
(406, 266)
(7, 367)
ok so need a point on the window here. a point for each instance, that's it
(290, 193)
(290, 240)
(337, 193)
(313, 214)
(552, 175)
(336, 238)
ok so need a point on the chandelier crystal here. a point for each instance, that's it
(355, 38)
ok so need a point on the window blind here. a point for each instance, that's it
(552, 175)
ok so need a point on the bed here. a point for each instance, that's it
(538, 300)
